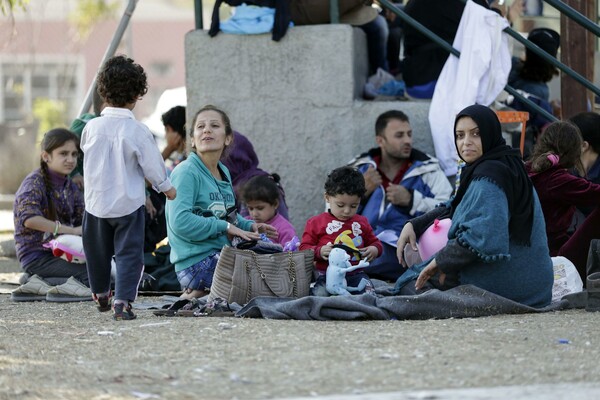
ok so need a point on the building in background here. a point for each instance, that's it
(43, 55)
(47, 65)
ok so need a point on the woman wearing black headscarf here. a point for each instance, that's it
(497, 238)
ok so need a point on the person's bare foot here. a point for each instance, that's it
(193, 294)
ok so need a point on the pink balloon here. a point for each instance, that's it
(434, 238)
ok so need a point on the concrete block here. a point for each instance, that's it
(298, 101)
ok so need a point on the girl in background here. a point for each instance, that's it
(47, 204)
(557, 151)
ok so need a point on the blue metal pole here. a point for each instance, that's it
(198, 14)
(334, 11)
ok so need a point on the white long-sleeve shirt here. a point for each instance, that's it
(478, 76)
(119, 152)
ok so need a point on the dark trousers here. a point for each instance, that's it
(576, 249)
(56, 271)
(386, 267)
(122, 237)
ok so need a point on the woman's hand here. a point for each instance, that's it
(267, 229)
(407, 236)
(429, 272)
(369, 253)
(236, 231)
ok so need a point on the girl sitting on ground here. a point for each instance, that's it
(47, 204)
(261, 197)
(558, 150)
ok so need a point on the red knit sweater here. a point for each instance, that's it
(325, 228)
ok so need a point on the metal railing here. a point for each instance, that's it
(559, 5)
(563, 8)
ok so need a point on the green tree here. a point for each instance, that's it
(50, 114)
(7, 6)
(90, 12)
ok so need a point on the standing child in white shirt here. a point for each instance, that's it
(119, 153)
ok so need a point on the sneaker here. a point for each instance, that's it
(122, 313)
(34, 289)
(24, 278)
(102, 302)
(70, 291)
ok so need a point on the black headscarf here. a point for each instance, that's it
(504, 166)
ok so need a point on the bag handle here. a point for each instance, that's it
(291, 273)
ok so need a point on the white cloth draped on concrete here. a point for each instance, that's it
(478, 76)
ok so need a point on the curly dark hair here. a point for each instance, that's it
(345, 180)
(121, 81)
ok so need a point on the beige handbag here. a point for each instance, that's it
(241, 275)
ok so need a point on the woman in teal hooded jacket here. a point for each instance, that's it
(203, 218)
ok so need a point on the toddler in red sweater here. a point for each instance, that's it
(341, 227)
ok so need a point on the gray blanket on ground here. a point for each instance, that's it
(461, 302)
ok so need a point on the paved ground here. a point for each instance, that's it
(70, 351)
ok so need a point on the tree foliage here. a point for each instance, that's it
(50, 114)
(8, 6)
(89, 12)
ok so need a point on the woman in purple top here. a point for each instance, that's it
(48, 203)
(261, 197)
(242, 162)
(557, 151)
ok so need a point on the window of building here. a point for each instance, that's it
(22, 82)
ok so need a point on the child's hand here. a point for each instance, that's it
(171, 193)
(325, 250)
(369, 253)
(267, 229)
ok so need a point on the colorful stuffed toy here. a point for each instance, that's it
(67, 247)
